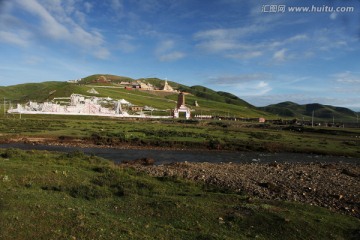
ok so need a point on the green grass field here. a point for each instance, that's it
(45, 195)
(220, 135)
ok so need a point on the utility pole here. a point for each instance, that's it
(312, 119)
(4, 108)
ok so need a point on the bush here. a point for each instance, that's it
(89, 192)
(12, 152)
(110, 180)
(76, 154)
(214, 144)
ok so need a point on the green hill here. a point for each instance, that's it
(209, 101)
(22, 93)
(111, 78)
(323, 112)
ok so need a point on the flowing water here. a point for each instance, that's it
(169, 156)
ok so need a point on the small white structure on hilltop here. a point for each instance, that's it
(93, 91)
(167, 87)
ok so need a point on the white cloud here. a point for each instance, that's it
(262, 84)
(172, 56)
(88, 7)
(165, 51)
(165, 46)
(125, 43)
(333, 16)
(346, 83)
(257, 89)
(279, 56)
(254, 84)
(81, 17)
(56, 23)
(245, 55)
(239, 79)
(239, 43)
(33, 60)
(295, 38)
(20, 38)
(102, 53)
(223, 39)
(49, 24)
(117, 5)
(347, 78)
(326, 39)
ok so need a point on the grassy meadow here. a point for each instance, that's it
(170, 133)
(47, 195)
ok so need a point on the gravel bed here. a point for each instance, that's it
(335, 186)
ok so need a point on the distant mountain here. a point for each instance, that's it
(324, 112)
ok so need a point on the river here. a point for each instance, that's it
(169, 156)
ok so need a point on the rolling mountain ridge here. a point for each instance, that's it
(305, 111)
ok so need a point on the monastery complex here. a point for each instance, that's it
(78, 104)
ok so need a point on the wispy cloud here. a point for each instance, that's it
(347, 78)
(165, 51)
(172, 56)
(88, 7)
(279, 56)
(242, 43)
(117, 5)
(20, 38)
(126, 43)
(346, 83)
(245, 55)
(56, 23)
(255, 84)
(33, 60)
(254, 39)
(223, 39)
(238, 79)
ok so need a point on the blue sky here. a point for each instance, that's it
(237, 46)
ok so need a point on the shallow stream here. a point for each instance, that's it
(169, 156)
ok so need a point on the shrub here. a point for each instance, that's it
(89, 192)
(12, 152)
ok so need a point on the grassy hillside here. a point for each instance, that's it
(113, 78)
(39, 91)
(48, 195)
(323, 112)
(211, 102)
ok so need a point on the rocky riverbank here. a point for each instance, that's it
(335, 186)
(85, 143)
